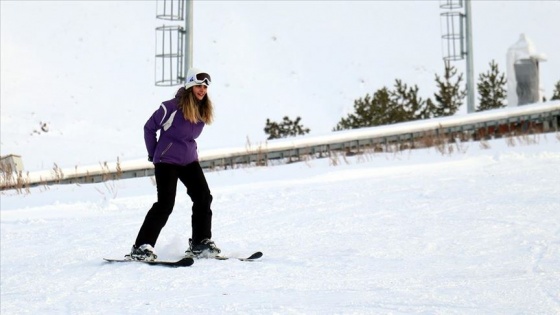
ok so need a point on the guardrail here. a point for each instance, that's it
(544, 117)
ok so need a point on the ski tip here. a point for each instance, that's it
(185, 262)
(256, 255)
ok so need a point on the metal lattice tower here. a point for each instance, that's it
(173, 42)
(457, 40)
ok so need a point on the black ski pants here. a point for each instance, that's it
(167, 176)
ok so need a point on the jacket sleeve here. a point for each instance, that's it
(151, 127)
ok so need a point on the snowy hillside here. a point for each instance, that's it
(474, 232)
(86, 68)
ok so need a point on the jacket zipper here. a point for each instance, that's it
(168, 147)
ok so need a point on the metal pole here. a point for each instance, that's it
(470, 63)
(189, 34)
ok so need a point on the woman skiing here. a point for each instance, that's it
(180, 121)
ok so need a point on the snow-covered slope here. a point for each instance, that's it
(473, 232)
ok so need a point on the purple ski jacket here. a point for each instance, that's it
(176, 143)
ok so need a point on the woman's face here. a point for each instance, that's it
(199, 91)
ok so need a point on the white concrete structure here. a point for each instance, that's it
(523, 58)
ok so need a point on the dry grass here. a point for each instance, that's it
(444, 144)
(12, 179)
(484, 145)
(109, 178)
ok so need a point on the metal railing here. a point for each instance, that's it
(536, 118)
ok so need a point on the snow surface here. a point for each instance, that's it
(476, 231)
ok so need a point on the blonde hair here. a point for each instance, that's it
(193, 109)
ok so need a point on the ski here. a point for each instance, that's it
(253, 257)
(185, 262)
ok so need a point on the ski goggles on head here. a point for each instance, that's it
(201, 78)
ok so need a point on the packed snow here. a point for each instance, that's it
(475, 231)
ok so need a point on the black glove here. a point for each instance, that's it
(150, 158)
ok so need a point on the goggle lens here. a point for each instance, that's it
(201, 78)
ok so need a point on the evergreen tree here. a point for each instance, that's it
(272, 129)
(450, 96)
(370, 111)
(287, 128)
(408, 105)
(429, 110)
(491, 89)
(294, 128)
(556, 93)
